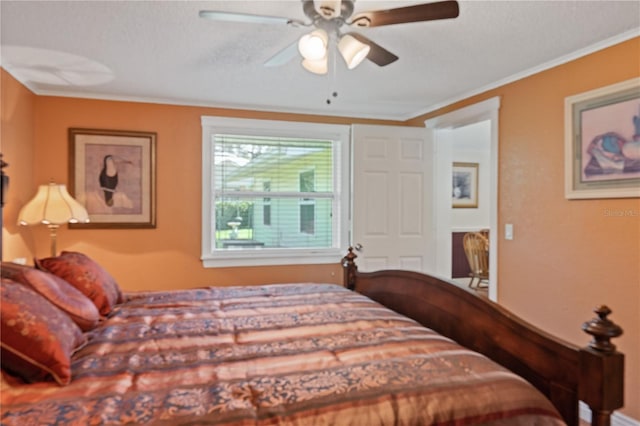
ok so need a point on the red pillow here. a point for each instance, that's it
(85, 275)
(37, 338)
(57, 291)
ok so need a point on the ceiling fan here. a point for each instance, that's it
(327, 17)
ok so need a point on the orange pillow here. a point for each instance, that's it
(85, 275)
(57, 291)
(37, 338)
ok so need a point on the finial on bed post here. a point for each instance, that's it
(602, 369)
(350, 269)
(602, 330)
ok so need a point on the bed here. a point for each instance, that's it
(294, 354)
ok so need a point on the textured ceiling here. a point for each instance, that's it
(163, 52)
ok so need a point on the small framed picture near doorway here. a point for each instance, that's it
(112, 173)
(465, 185)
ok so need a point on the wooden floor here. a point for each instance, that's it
(464, 282)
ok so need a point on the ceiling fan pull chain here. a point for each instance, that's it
(331, 77)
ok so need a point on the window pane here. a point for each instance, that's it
(257, 185)
(295, 223)
(245, 163)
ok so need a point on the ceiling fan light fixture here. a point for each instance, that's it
(318, 66)
(352, 50)
(313, 46)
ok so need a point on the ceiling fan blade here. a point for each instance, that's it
(283, 56)
(248, 18)
(421, 12)
(377, 54)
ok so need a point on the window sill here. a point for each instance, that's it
(270, 257)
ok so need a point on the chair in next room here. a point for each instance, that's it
(476, 248)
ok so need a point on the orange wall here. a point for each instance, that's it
(567, 256)
(167, 257)
(17, 112)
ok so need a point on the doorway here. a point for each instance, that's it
(445, 132)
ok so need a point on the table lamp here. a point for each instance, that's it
(52, 206)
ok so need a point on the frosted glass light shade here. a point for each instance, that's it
(313, 46)
(52, 205)
(317, 67)
(353, 51)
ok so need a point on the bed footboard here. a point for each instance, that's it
(560, 370)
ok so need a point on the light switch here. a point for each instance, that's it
(508, 231)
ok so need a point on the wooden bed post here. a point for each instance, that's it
(350, 269)
(602, 369)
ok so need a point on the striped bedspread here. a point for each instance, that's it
(291, 354)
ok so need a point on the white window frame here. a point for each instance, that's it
(212, 257)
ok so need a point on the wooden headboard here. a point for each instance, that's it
(563, 372)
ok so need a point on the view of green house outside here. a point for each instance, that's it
(273, 192)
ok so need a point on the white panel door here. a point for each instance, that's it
(392, 218)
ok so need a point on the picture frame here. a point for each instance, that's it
(602, 142)
(112, 173)
(464, 193)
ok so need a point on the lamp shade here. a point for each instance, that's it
(52, 205)
(352, 50)
(313, 46)
(317, 67)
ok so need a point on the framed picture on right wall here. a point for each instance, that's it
(602, 142)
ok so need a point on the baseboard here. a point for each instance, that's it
(617, 419)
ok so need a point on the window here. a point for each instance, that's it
(274, 192)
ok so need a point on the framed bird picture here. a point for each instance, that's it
(113, 174)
